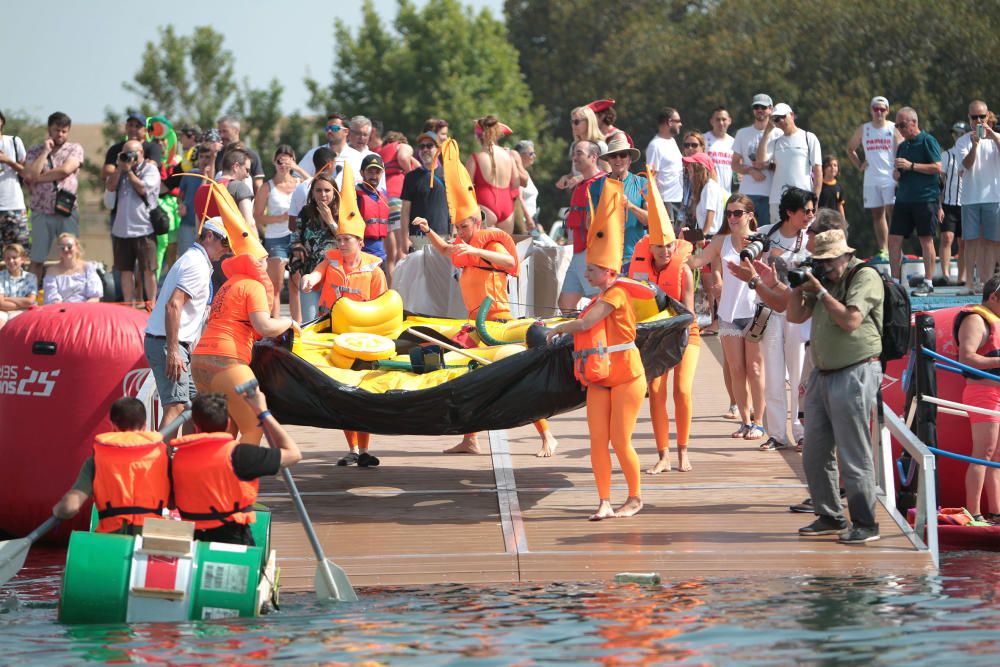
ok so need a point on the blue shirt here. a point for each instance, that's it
(634, 230)
(914, 187)
(189, 186)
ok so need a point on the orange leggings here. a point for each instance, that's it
(358, 439)
(221, 374)
(683, 383)
(611, 414)
(542, 425)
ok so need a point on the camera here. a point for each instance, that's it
(759, 244)
(128, 156)
(798, 276)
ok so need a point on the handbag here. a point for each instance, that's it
(758, 324)
(160, 220)
(65, 200)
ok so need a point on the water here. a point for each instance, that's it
(859, 620)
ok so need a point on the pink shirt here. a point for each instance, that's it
(43, 195)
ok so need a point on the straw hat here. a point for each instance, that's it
(620, 145)
(606, 236)
(830, 244)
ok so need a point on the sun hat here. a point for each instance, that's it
(700, 158)
(214, 224)
(620, 145)
(830, 244)
(781, 109)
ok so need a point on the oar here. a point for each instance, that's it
(14, 552)
(332, 583)
(448, 346)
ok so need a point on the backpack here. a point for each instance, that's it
(895, 315)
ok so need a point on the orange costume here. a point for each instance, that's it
(222, 359)
(613, 401)
(130, 479)
(670, 279)
(206, 488)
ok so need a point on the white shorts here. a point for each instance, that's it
(877, 196)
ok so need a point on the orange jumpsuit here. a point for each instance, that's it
(613, 403)
(671, 280)
(364, 282)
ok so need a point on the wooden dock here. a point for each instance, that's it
(506, 516)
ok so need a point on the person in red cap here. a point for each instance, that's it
(606, 116)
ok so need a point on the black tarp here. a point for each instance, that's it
(534, 384)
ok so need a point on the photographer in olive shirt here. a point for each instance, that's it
(845, 304)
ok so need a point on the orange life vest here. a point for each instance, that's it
(206, 488)
(131, 480)
(592, 356)
(480, 279)
(670, 278)
(356, 285)
(374, 210)
(991, 347)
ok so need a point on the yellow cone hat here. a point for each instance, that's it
(462, 202)
(242, 239)
(606, 235)
(349, 220)
(661, 229)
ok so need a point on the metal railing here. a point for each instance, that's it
(925, 523)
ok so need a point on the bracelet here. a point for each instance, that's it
(820, 294)
(753, 282)
(262, 416)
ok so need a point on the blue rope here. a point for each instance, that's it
(946, 367)
(962, 457)
(904, 478)
(956, 364)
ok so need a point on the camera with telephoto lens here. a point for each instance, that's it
(799, 275)
(759, 244)
(128, 156)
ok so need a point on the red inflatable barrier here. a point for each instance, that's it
(61, 368)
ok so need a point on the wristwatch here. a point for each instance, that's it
(753, 282)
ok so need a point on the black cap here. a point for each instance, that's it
(372, 159)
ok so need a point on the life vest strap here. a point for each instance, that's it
(215, 514)
(603, 350)
(109, 511)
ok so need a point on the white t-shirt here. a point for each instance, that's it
(880, 153)
(664, 157)
(746, 142)
(529, 194)
(192, 274)
(794, 156)
(713, 198)
(348, 154)
(721, 152)
(11, 196)
(738, 300)
(300, 196)
(981, 183)
(277, 204)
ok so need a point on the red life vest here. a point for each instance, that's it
(357, 285)
(480, 279)
(591, 352)
(206, 488)
(131, 481)
(394, 172)
(374, 211)
(991, 347)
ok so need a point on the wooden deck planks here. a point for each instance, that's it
(507, 516)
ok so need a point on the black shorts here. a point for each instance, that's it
(128, 251)
(910, 216)
(952, 219)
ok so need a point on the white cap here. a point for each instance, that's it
(215, 225)
(878, 99)
(781, 109)
(761, 98)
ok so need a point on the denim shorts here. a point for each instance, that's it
(278, 247)
(575, 282)
(182, 391)
(735, 328)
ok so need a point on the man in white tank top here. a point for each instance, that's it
(879, 139)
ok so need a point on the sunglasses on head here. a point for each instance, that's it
(334, 128)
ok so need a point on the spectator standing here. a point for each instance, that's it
(950, 212)
(13, 218)
(606, 117)
(229, 132)
(621, 156)
(188, 137)
(438, 127)
(720, 147)
(18, 288)
(980, 197)
(187, 189)
(575, 285)
(917, 165)
(135, 130)
(495, 174)
(756, 175)
(71, 280)
(529, 191)
(845, 303)
(337, 130)
(707, 199)
(236, 165)
(585, 127)
(324, 161)
(175, 322)
(270, 209)
(373, 204)
(796, 155)
(131, 193)
(315, 233)
(664, 157)
(832, 194)
(879, 139)
(51, 172)
(397, 156)
(423, 196)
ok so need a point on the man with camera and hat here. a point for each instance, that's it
(135, 130)
(620, 155)
(845, 302)
(755, 177)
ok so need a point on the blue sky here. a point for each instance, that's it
(73, 55)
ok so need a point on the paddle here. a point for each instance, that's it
(332, 583)
(449, 346)
(14, 552)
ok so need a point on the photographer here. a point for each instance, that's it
(130, 192)
(782, 345)
(845, 303)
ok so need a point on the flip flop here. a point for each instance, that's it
(754, 432)
(741, 432)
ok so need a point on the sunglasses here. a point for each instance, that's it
(334, 128)
(759, 107)
(674, 120)
(879, 109)
(692, 144)
(427, 147)
(735, 213)
(577, 121)
(900, 124)
(977, 116)
(809, 211)
(68, 246)
(618, 156)
(777, 119)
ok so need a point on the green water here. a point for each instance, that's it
(858, 620)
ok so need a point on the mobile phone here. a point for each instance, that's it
(981, 131)
(694, 235)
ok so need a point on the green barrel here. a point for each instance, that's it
(96, 582)
(225, 580)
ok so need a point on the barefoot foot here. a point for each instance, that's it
(604, 511)
(467, 446)
(631, 507)
(683, 462)
(549, 444)
(663, 465)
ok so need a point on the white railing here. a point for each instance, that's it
(925, 523)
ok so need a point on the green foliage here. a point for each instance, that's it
(20, 123)
(259, 111)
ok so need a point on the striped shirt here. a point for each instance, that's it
(951, 177)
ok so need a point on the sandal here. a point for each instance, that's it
(741, 432)
(800, 444)
(754, 432)
(771, 445)
(733, 414)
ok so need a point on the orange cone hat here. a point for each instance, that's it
(242, 239)
(661, 229)
(606, 235)
(462, 202)
(349, 220)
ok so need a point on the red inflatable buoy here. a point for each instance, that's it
(61, 368)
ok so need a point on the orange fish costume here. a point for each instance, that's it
(606, 358)
(672, 280)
